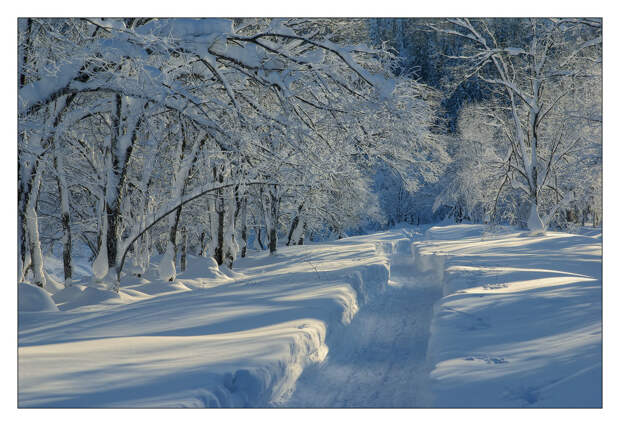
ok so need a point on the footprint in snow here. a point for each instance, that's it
(486, 358)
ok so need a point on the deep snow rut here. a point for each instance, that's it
(380, 358)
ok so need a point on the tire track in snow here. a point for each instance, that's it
(380, 358)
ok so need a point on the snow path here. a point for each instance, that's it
(380, 360)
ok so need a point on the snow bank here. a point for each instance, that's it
(520, 321)
(90, 296)
(204, 272)
(68, 294)
(34, 299)
(240, 339)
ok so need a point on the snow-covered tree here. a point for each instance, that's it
(533, 80)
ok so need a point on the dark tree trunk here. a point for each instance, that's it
(244, 238)
(275, 213)
(113, 224)
(184, 251)
(273, 240)
(294, 224)
(244, 226)
(66, 250)
(259, 238)
(218, 253)
(112, 208)
(22, 75)
(174, 230)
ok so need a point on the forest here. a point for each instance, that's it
(211, 136)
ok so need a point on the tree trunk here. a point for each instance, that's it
(259, 238)
(66, 250)
(274, 212)
(113, 192)
(112, 213)
(120, 158)
(24, 53)
(273, 240)
(294, 224)
(244, 226)
(24, 262)
(301, 238)
(22, 197)
(174, 227)
(229, 247)
(218, 253)
(203, 244)
(292, 240)
(584, 213)
(184, 250)
(595, 219)
(65, 218)
(34, 258)
(534, 223)
(32, 226)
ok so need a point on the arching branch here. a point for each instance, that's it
(173, 209)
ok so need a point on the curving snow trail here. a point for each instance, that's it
(380, 358)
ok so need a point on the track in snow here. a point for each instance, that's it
(380, 358)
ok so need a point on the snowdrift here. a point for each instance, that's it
(520, 321)
(210, 339)
(34, 299)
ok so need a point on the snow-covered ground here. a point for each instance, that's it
(211, 339)
(455, 316)
(520, 323)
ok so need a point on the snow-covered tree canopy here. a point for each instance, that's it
(166, 137)
(268, 124)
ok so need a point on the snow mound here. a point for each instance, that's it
(91, 296)
(160, 287)
(229, 272)
(205, 269)
(167, 270)
(35, 299)
(68, 294)
(455, 232)
(52, 285)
